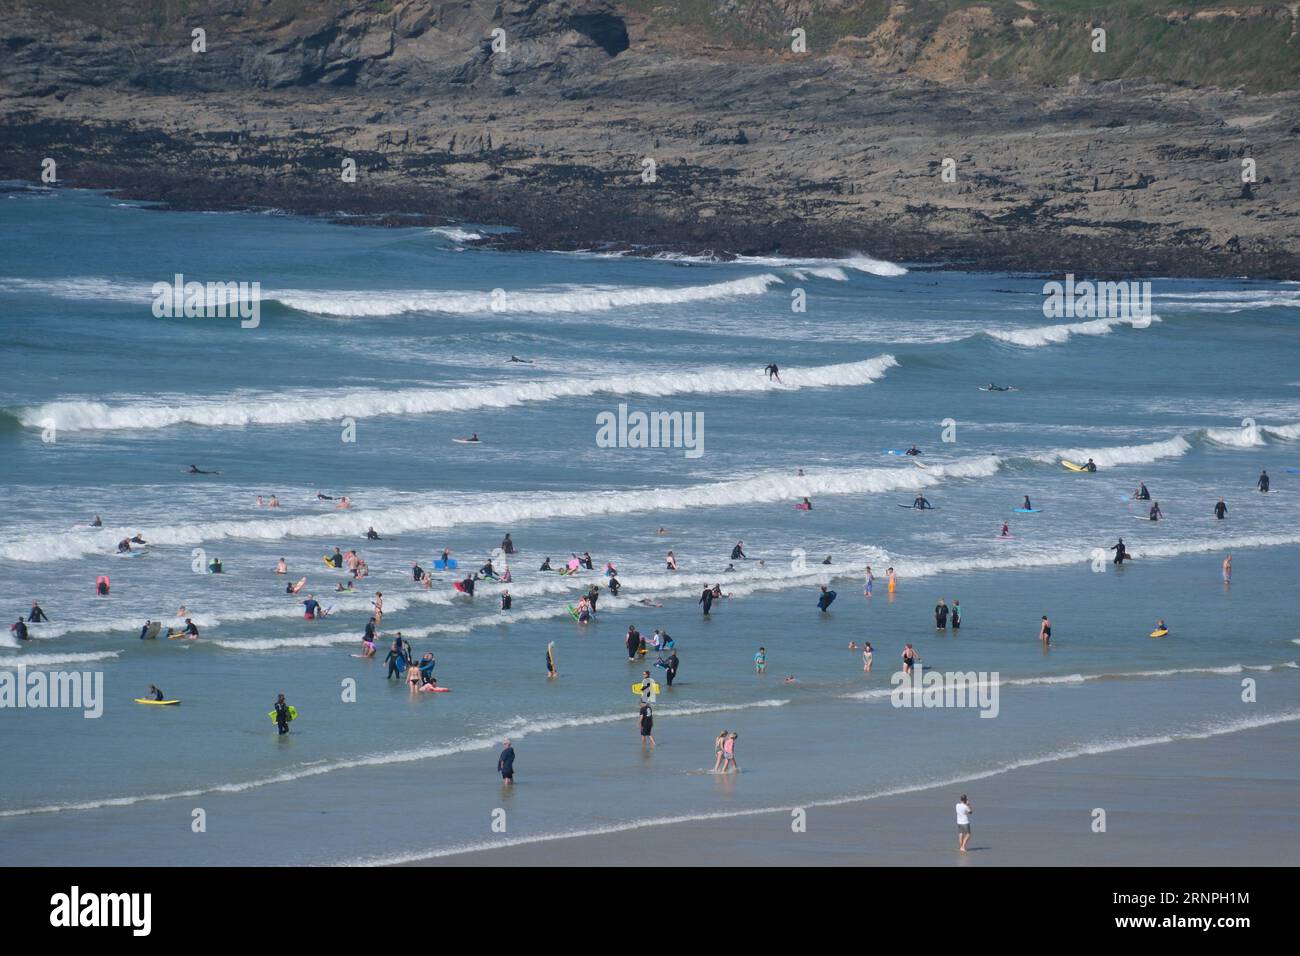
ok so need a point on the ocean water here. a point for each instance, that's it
(396, 338)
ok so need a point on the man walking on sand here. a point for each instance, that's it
(963, 823)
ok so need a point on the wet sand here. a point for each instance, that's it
(1222, 801)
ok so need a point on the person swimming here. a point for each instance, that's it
(1090, 466)
(519, 360)
(807, 504)
(1142, 494)
(196, 470)
(546, 565)
(98, 522)
(913, 451)
(372, 534)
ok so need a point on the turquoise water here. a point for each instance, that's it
(399, 332)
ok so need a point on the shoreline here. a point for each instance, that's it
(1213, 801)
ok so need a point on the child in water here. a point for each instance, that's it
(866, 657)
(760, 661)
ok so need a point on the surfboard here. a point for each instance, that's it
(1145, 518)
(1072, 466)
(448, 565)
(154, 628)
(893, 451)
(1293, 471)
(1027, 511)
(802, 507)
(919, 463)
(914, 508)
(135, 553)
(654, 687)
(1004, 537)
(300, 585)
(430, 689)
(554, 656)
(1160, 632)
(293, 713)
(573, 612)
(141, 700)
(468, 441)
(459, 587)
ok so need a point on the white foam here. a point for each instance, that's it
(53, 660)
(1042, 335)
(293, 407)
(573, 298)
(1109, 457)
(858, 262)
(509, 510)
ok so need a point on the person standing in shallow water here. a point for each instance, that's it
(506, 763)
(1045, 631)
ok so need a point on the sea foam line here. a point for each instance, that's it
(517, 729)
(291, 408)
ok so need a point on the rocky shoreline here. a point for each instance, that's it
(753, 154)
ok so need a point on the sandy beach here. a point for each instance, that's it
(1222, 801)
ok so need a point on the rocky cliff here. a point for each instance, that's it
(986, 134)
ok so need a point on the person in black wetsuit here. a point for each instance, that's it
(506, 764)
(281, 715)
(336, 559)
(1155, 514)
(370, 631)
(395, 659)
(468, 585)
(1120, 551)
(670, 668)
(372, 534)
(633, 642)
(921, 503)
(507, 546)
(20, 629)
(1090, 466)
(706, 598)
(1220, 510)
(773, 371)
(586, 561)
(417, 572)
(1142, 494)
(1027, 506)
(37, 614)
(1262, 484)
(98, 522)
(613, 585)
(914, 451)
(593, 595)
(546, 565)
(941, 615)
(505, 600)
(738, 552)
